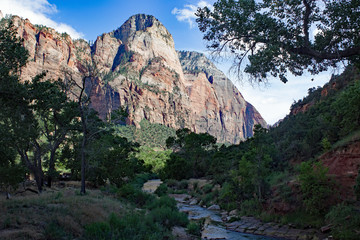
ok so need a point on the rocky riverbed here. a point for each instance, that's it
(217, 226)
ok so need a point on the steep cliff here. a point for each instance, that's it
(140, 70)
(216, 104)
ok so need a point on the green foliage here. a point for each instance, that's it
(316, 187)
(345, 221)
(347, 106)
(110, 158)
(301, 219)
(155, 223)
(153, 159)
(152, 135)
(251, 207)
(132, 226)
(134, 195)
(254, 166)
(326, 145)
(253, 30)
(53, 231)
(191, 153)
(10, 176)
(194, 228)
(301, 136)
(162, 190)
(228, 196)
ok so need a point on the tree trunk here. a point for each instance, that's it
(83, 145)
(38, 179)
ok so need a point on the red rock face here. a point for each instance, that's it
(140, 70)
(343, 164)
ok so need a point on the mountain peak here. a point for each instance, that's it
(138, 22)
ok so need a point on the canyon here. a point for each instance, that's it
(138, 69)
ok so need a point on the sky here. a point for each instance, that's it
(90, 18)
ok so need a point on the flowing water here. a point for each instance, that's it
(214, 226)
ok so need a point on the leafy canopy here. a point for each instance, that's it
(277, 36)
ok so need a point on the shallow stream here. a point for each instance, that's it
(214, 227)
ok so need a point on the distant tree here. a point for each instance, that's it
(193, 148)
(278, 36)
(111, 158)
(254, 165)
(347, 107)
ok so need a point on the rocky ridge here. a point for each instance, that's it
(139, 69)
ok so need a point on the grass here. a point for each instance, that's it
(60, 214)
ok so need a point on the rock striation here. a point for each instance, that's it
(139, 69)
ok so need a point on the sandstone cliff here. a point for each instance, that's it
(140, 70)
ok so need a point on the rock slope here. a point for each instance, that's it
(139, 69)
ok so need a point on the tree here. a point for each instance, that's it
(55, 113)
(35, 116)
(190, 151)
(278, 36)
(81, 90)
(254, 165)
(316, 187)
(18, 126)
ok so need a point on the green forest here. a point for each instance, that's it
(49, 133)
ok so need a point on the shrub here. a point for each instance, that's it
(54, 231)
(315, 187)
(345, 221)
(302, 219)
(167, 217)
(251, 207)
(132, 226)
(227, 197)
(134, 195)
(207, 188)
(194, 228)
(164, 201)
(183, 184)
(98, 230)
(161, 190)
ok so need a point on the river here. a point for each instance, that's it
(214, 226)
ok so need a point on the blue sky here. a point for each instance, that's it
(89, 19)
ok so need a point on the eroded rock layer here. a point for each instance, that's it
(139, 69)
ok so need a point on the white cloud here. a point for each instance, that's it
(187, 14)
(37, 11)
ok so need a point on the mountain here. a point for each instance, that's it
(139, 69)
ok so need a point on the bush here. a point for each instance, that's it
(134, 195)
(161, 190)
(227, 197)
(168, 217)
(133, 226)
(251, 207)
(98, 230)
(315, 187)
(302, 219)
(207, 188)
(164, 201)
(54, 231)
(183, 184)
(194, 228)
(345, 221)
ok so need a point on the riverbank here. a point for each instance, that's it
(218, 223)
